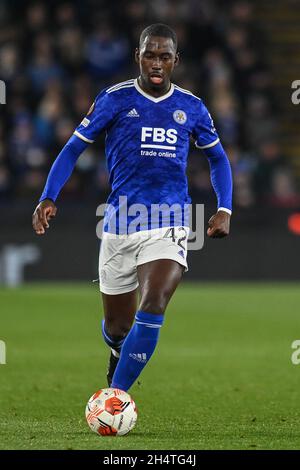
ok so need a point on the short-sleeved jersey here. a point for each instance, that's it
(147, 145)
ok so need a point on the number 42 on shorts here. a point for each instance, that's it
(178, 235)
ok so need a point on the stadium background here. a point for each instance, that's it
(241, 58)
(56, 56)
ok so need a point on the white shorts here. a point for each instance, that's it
(121, 254)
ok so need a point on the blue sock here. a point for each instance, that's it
(137, 349)
(114, 342)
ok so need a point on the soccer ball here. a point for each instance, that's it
(111, 412)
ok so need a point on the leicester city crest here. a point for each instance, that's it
(179, 116)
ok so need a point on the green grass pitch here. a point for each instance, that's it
(221, 377)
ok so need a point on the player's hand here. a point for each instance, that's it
(218, 225)
(44, 211)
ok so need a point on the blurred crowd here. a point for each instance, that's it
(55, 57)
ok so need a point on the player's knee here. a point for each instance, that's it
(117, 329)
(155, 302)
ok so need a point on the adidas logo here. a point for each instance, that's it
(139, 357)
(181, 253)
(133, 113)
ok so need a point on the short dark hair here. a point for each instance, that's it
(159, 29)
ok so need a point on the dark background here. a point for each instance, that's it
(56, 56)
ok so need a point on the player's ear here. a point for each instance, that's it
(137, 55)
(176, 61)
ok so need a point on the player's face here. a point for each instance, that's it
(157, 58)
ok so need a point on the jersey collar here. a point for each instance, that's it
(150, 97)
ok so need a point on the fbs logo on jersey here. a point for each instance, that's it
(158, 135)
(133, 113)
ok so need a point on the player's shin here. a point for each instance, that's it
(114, 342)
(137, 349)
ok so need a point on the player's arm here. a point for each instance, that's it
(98, 118)
(220, 172)
(60, 172)
(221, 179)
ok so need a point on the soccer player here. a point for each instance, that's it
(148, 123)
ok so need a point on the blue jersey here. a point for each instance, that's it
(147, 144)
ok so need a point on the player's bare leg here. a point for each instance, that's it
(119, 311)
(157, 281)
